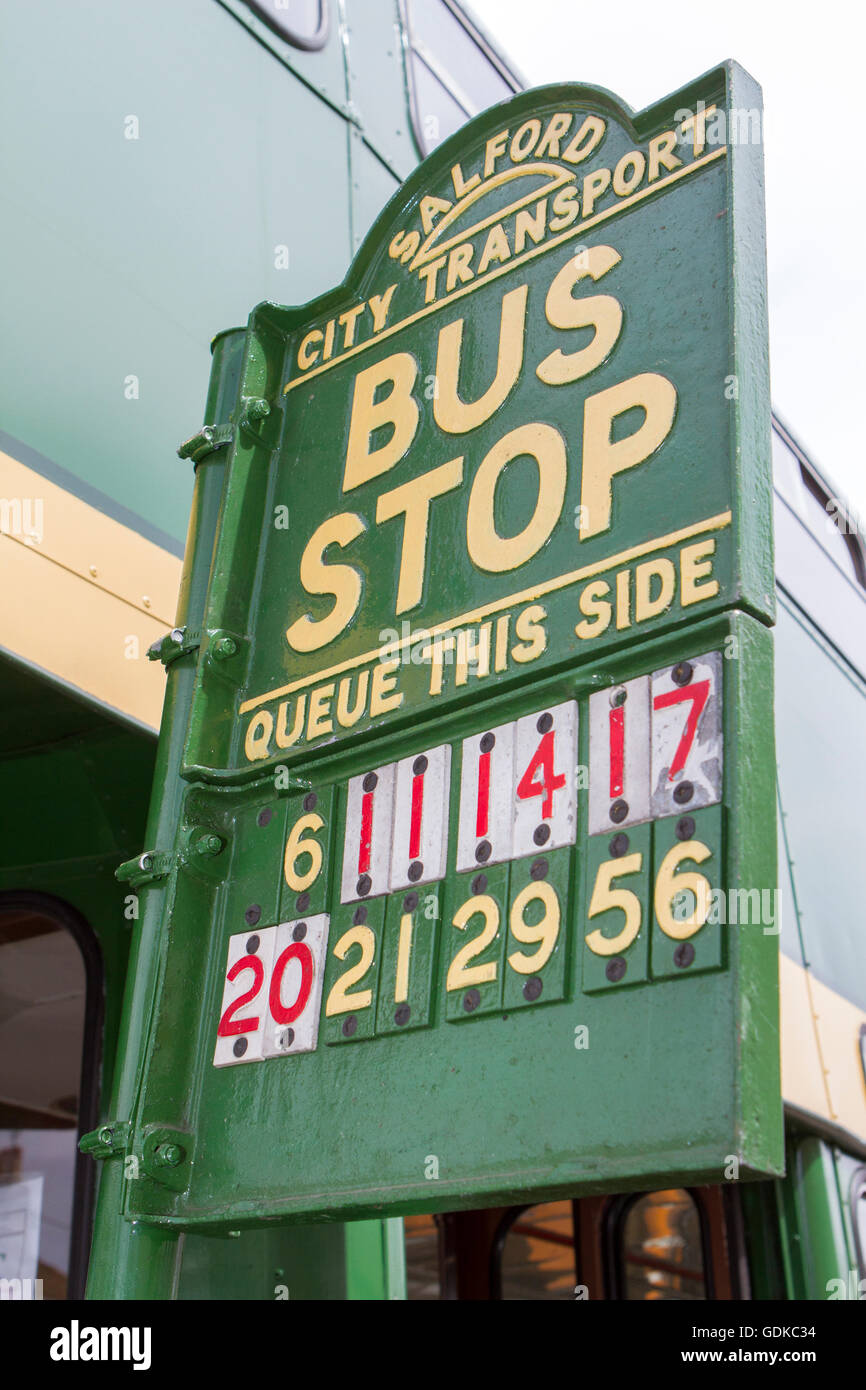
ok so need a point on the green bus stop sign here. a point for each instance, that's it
(472, 897)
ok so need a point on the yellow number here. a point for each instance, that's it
(669, 884)
(404, 952)
(339, 999)
(545, 932)
(460, 974)
(297, 846)
(605, 897)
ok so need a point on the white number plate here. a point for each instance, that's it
(272, 992)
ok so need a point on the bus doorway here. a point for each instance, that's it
(50, 1028)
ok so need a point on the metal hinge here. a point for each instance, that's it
(158, 863)
(108, 1141)
(208, 438)
(146, 867)
(174, 644)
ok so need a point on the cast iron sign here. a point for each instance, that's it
(481, 744)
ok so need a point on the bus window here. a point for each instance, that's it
(658, 1248)
(44, 1190)
(537, 1254)
(303, 22)
(826, 518)
(858, 1217)
(452, 75)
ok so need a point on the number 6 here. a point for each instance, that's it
(669, 884)
(297, 845)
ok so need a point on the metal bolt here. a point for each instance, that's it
(483, 851)
(360, 916)
(240, 1047)
(539, 869)
(479, 883)
(685, 828)
(303, 902)
(615, 969)
(225, 647)
(682, 673)
(619, 811)
(544, 723)
(619, 845)
(401, 1014)
(416, 869)
(370, 782)
(487, 742)
(541, 834)
(364, 884)
(310, 801)
(177, 634)
(264, 817)
(350, 1026)
(532, 989)
(410, 902)
(471, 1000)
(618, 697)
(287, 1037)
(683, 793)
(253, 943)
(208, 844)
(168, 1155)
(299, 932)
(419, 767)
(684, 954)
(252, 914)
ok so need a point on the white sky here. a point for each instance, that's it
(808, 59)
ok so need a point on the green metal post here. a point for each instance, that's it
(131, 1260)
